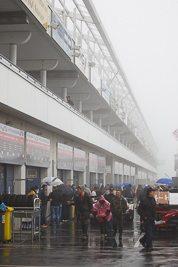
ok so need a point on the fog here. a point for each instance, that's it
(144, 34)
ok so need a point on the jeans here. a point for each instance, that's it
(55, 210)
(147, 238)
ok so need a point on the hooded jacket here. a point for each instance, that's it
(103, 209)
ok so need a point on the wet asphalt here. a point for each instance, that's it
(62, 246)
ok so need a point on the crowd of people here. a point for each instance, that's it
(107, 204)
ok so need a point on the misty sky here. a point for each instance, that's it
(144, 34)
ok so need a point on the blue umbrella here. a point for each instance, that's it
(165, 181)
(127, 184)
(118, 185)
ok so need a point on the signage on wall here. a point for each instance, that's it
(82, 63)
(11, 145)
(37, 151)
(62, 37)
(93, 163)
(79, 160)
(64, 157)
(39, 8)
(101, 164)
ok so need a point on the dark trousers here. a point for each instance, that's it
(84, 222)
(43, 214)
(147, 238)
(84, 225)
(118, 224)
(110, 223)
(103, 226)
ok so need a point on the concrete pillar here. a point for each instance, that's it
(80, 106)
(119, 137)
(13, 53)
(91, 115)
(100, 123)
(19, 179)
(109, 128)
(43, 77)
(64, 94)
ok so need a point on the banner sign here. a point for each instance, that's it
(101, 164)
(62, 37)
(93, 162)
(39, 8)
(64, 157)
(82, 63)
(79, 160)
(37, 151)
(11, 145)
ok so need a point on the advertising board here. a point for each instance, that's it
(11, 145)
(37, 151)
(101, 164)
(79, 160)
(61, 36)
(39, 8)
(93, 163)
(64, 157)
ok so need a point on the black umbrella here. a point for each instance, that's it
(65, 189)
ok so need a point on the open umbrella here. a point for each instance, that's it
(118, 185)
(165, 181)
(51, 181)
(65, 189)
(127, 184)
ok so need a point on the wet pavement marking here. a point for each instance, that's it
(137, 243)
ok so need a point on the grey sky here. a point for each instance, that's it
(144, 34)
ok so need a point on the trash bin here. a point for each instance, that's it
(7, 225)
(2, 222)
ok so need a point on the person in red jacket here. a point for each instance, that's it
(102, 208)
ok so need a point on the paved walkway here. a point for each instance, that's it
(62, 246)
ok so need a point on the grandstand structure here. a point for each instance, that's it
(51, 49)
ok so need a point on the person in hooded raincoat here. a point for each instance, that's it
(102, 208)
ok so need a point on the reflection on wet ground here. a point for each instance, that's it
(63, 246)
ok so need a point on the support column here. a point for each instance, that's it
(64, 94)
(119, 137)
(19, 179)
(80, 106)
(43, 77)
(100, 123)
(13, 53)
(91, 115)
